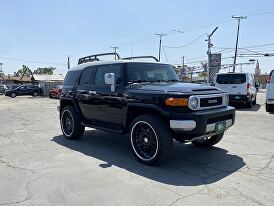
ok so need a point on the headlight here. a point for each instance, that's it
(193, 103)
(226, 99)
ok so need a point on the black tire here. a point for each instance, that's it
(268, 108)
(208, 142)
(255, 101)
(13, 95)
(35, 94)
(249, 104)
(71, 124)
(50, 96)
(150, 139)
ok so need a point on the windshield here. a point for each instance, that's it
(231, 78)
(147, 72)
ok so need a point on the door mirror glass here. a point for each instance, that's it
(110, 78)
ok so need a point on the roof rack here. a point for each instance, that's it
(94, 57)
(141, 57)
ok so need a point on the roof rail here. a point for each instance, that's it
(94, 57)
(141, 57)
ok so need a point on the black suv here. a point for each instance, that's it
(144, 100)
(24, 90)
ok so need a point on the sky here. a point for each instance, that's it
(40, 33)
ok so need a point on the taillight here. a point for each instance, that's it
(248, 89)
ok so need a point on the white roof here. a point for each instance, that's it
(94, 63)
(47, 77)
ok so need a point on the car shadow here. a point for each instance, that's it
(254, 108)
(187, 166)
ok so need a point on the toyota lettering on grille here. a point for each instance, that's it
(212, 101)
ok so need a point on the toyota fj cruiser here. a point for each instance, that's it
(144, 100)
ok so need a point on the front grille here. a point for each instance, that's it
(212, 101)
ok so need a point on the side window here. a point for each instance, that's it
(272, 76)
(87, 76)
(102, 70)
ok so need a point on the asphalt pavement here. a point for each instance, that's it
(38, 166)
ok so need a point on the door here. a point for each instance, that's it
(23, 90)
(84, 93)
(107, 106)
(270, 87)
(234, 84)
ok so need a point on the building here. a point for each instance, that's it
(46, 81)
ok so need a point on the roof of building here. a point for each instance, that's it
(47, 77)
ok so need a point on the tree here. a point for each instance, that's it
(23, 71)
(45, 70)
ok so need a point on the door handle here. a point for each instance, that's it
(92, 92)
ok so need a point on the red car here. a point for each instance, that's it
(55, 92)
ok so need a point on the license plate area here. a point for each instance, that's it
(220, 127)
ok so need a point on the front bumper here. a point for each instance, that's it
(201, 122)
(270, 101)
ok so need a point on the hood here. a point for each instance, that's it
(175, 87)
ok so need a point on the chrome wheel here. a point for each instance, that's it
(67, 123)
(144, 141)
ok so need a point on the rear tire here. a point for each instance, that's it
(208, 142)
(150, 139)
(35, 94)
(71, 124)
(249, 104)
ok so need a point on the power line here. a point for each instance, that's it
(177, 47)
(30, 61)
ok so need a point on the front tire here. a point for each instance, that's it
(13, 95)
(150, 139)
(209, 141)
(71, 124)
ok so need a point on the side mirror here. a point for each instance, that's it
(110, 80)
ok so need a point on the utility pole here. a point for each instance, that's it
(209, 45)
(68, 63)
(115, 50)
(1, 74)
(239, 18)
(182, 69)
(160, 43)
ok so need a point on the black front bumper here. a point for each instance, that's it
(204, 118)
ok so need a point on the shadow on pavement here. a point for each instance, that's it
(255, 108)
(187, 166)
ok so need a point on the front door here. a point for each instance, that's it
(107, 106)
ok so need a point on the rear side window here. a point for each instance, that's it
(231, 79)
(87, 76)
(102, 70)
(71, 77)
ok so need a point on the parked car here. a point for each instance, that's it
(240, 87)
(270, 93)
(55, 92)
(3, 88)
(144, 100)
(24, 90)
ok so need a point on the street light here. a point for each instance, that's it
(175, 30)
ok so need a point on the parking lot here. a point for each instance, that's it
(38, 166)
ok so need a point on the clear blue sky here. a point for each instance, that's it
(49, 31)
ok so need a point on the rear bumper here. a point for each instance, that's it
(239, 98)
(202, 122)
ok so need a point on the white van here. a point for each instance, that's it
(240, 87)
(269, 106)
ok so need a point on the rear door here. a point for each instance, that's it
(84, 93)
(234, 84)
